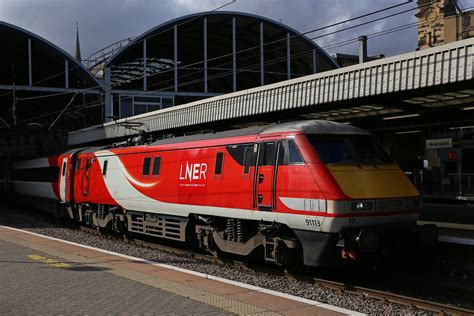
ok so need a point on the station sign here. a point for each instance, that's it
(439, 143)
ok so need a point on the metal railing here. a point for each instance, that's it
(102, 55)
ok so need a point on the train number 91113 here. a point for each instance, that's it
(313, 222)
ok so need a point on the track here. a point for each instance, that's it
(411, 302)
(434, 307)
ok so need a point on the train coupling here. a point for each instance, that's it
(350, 254)
(353, 243)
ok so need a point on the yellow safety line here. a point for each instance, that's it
(50, 262)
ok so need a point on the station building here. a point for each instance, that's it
(448, 152)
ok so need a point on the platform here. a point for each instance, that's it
(43, 275)
(453, 233)
(462, 213)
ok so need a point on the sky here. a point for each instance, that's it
(103, 22)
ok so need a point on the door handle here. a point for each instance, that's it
(260, 198)
(260, 178)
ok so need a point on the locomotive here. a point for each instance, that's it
(315, 191)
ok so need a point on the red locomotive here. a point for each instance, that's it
(316, 190)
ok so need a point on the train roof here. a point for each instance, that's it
(314, 127)
(307, 127)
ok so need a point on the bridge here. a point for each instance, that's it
(432, 87)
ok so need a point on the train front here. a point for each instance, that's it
(372, 206)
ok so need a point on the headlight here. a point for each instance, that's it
(362, 206)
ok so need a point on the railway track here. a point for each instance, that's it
(434, 307)
(411, 302)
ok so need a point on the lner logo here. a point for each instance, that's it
(193, 171)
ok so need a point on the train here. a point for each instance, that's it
(317, 192)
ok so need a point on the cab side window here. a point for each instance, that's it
(268, 154)
(248, 158)
(289, 153)
(295, 156)
(219, 160)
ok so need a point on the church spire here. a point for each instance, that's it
(78, 45)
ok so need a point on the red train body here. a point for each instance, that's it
(312, 189)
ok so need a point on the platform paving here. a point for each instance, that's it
(42, 276)
(32, 286)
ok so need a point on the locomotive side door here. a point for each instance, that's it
(86, 175)
(265, 176)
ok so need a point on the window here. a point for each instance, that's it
(78, 164)
(349, 149)
(115, 107)
(139, 108)
(268, 154)
(248, 158)
(145, 104)
(64, 169)
(289, 153)
(166, 102)
(88, 164)
(219, 159)
(146, 166)
(104, 169)
(156, 166)
(44, 174)
(295, 156)
(126, 106)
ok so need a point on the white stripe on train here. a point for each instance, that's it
(128, 197)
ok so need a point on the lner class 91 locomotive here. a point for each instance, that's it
(314, 190)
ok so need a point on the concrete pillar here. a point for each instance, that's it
(288, 55)
(362, 49)
(30, 65)
(176, 58)
(66, 74)
(205, 55)
(144, 65)
(315, 61)
(108, 95)
(234, 57)
(262, 57)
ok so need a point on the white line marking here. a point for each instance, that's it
(456, 240)
(203, 275)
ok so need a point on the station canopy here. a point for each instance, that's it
(44, 93)
(208, 54)
(40, 79)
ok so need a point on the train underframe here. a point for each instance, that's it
(274, 242)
